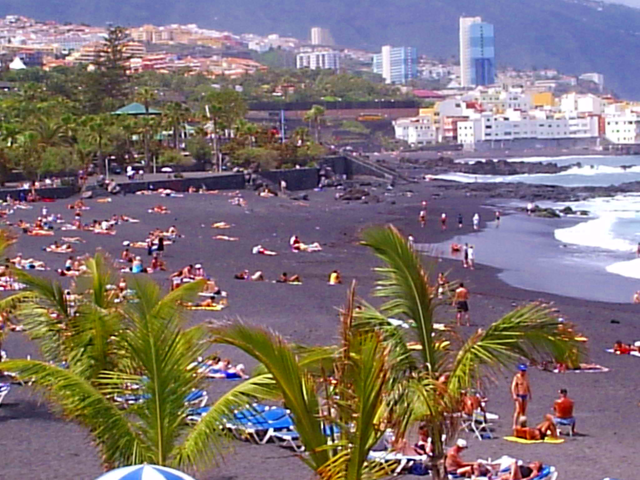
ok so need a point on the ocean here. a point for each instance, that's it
(599, 247)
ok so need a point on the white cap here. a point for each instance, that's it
(198, 265)
(637, 344)
(461, 442)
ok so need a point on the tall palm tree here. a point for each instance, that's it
(428, 385)
(315, 115)
(146, 96)
(175, 116)
(247, 130)
(106, 347)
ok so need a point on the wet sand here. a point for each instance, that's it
(36, 444)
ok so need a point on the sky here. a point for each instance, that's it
(632, 3)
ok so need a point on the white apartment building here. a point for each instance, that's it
(623, 129)
(499, 100)
(575, 103)
(324, 59)
(465, 49)
(416, 130)
(321, 36)
(515, 125)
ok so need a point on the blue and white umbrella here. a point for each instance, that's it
(145, 472)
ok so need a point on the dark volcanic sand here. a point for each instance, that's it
(36, 444)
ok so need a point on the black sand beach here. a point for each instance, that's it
(38, 445)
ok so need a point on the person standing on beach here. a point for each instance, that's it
(423, 218)
(530, 208)
(461, 302)
(476, 221)
(471, 257)
(443, 220)
(521, 393)
(497, 218)
(459, 220)
(465, 255)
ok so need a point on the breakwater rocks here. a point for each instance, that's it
(442, 165)
(536, 193)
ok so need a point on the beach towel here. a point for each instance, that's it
(529, 442)
(635, 354)
(591, 369)
(215, 308)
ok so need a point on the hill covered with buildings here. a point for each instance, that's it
(573, 36)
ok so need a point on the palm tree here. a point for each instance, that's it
(96, 130)
(428, 386)
(300, 135)
(337, 395)
(175, 115)
(146, 96)
(315, 115)
(248, 130)
(108, 345)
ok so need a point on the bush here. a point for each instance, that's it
(199, 149)
(173, 157)
(265, 158)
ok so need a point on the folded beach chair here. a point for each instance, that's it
(478, 424)
(4, 389)
(258, 423)
(194, 415)
(197, 398)
(404, 462)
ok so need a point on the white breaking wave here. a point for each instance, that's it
(630, 268)
(597, 233)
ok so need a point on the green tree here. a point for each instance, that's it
(428, 386)
(199, 149)
(222, 109)
(173, 157)
(256, 158)
(111, 63)
(175, 115)
(146, 96)
(315, 115)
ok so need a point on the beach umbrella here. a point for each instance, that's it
(145, 472)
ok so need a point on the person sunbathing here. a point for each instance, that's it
(221, 225)
(523, 472)
(260, 250)
(73, 240)
(126, 218)
(335, 278)
(161, 209)
(472, 403)
(547, 428)
(55, 247)
(284, 278)
(198, 271)
(455, 466)
(620, 348)
(226, 238)
(245, 275)
(126, 256)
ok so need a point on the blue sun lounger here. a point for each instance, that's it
(291, 438)
(258, 423)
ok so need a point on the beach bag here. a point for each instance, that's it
(419, 469)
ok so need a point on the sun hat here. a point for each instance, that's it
(461, 442)
(198, 265)
(522, 367)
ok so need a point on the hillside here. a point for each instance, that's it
(573, 36)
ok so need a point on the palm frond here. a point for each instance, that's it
(405, 283)
(531, 332)
(297, 387)
(119, 443)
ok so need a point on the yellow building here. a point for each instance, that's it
(543, 99)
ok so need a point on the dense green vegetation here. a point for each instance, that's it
(544, 33)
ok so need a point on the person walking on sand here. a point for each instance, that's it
(521, 393)
(459, 220)
(443, 220)
(636, 297)
(423, 218)
(497, 218)
(461, 302)
(476, 221)
(530, 208)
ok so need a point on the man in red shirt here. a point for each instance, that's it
(563, 411)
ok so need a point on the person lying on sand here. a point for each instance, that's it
(245, 275)
(161, 209)
(220, 225)
(260, 250)
(238, 201)
(28, 264)
(225, 238)
(73, 240)
(126, 218)
(547, 428)
(620, 348)
(55, 247)
(284, 278)
(523, 472)
(297, 245)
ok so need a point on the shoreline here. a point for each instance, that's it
(308, 314)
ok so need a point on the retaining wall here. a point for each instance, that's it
(231, 181)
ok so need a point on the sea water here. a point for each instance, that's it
(609, 237)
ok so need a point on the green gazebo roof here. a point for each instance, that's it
(136, 109)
